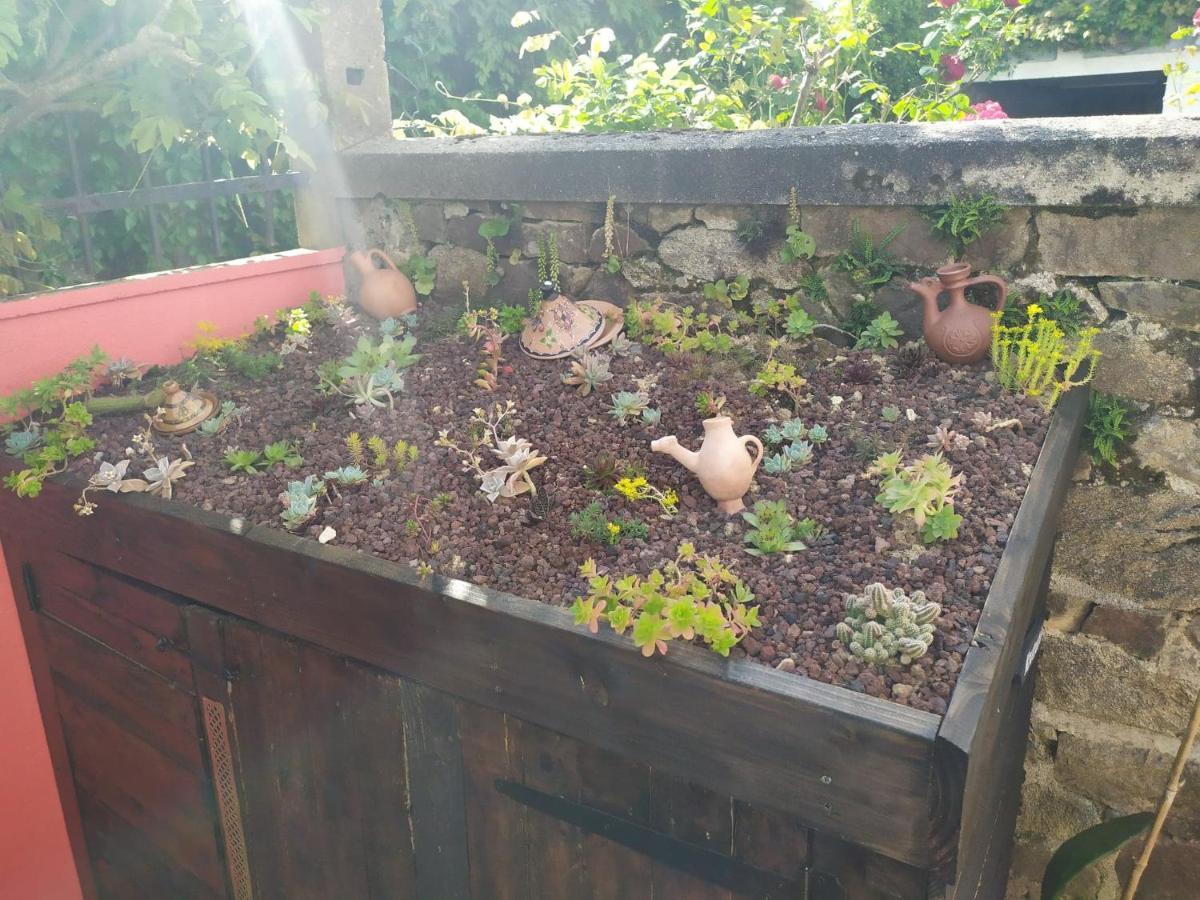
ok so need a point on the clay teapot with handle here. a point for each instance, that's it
(721, 464)
(962, 332)
(386, 293)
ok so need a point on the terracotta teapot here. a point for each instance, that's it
(386, 293)
(724, 469)
(962, 332)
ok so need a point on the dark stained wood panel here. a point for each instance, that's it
(164, 802)
(321, 754)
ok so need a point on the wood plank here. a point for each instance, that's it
(139, 700)
(980, 716)
(621, 787)
(436, 791)
(770, 839)
(128, 865)
(321, 761)
(18, 561)
(165, 802)
(132, 622)
(843, 871)
(497, 840)
(529, 660)
(694, 814)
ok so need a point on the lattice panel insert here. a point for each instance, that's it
(221, 755)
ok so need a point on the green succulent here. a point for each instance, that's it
(247, 461)
(282, 452)
(774, 530)
(883, 627)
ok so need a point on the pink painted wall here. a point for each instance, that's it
(150, 319)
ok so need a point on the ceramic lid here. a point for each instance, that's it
(561, 327)
(182, 411)
(614, 321)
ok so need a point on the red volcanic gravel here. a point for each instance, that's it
(500, 545)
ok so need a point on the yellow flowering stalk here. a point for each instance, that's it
(1038, 359)
(638, 488)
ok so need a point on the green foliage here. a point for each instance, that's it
(1037, 359)
(862, 313)
(1108, 427)
(709, 404)
(794, 450)
(779, 377)
(964, 220)
(731, 65)
(881, 334)
(774, 530)
(422, 272)
(602, 472)
(593, 524)
(249, 462)
(1064, 308)
(346, 476)
(52, 423)
(253, 366)
(692, 596)
(676, 329)
(727, 292)
(869, 263)
(628, 405)
(373, 372)
(284, 452)
(799, 324)
(883, 627)
(1125, 24)
(1087, 848)
(512, 319)
(924, 489)
(161, 84)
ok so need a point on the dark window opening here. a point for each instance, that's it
(1123, 94)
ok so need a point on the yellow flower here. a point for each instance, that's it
(1033, 310)
(614, 529)
(670, 498)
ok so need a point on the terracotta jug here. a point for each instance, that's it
(724, 469)
(385, 293)
(962, 332)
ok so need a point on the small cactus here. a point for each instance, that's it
(882, 626)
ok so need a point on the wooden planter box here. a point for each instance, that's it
(237, 712)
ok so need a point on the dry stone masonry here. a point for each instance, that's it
(1106, 209)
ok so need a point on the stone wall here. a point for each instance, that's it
(1108, 210)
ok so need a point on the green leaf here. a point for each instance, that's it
(1088, 847)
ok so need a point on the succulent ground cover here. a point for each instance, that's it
(402, 493)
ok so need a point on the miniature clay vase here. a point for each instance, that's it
(962, 332)
(386, 293)
(721, 464)
(561, 326)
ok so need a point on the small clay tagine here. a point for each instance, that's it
(182, 411)
(561, 326)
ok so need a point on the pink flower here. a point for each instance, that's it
(1196, 18)
(778, 82)
(953, 68)
(1012, 4)
(988, 109)
(820, 102)
(946, 4)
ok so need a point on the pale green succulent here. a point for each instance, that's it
(883, 627)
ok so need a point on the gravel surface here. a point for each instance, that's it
(502, 546)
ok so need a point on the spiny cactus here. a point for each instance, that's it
(882, 625)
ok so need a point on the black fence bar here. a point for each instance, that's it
(214, 223)
(177, 193)
(89, 260)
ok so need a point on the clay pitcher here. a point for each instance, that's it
(385, 293)
(962, 332)
(721, 464)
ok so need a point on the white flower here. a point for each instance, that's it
(910, 415)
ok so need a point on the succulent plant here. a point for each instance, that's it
(161, 477)
(346, 475)
(623, 346)
(777, 464)
(603, 472)
(883, 626)
(774, 530)
(890, 414)
(818, 434)
(925, 489)
(300, 501)
(947, 440)
(119, 371)
(282, 452)
(794, 430)
(773, 435)
(247, 461)
(18, 443)
(799, 452)
(709, 404)
(910, 358)
(651, 415)
(588, 372)
(627, 405)
(858, 371)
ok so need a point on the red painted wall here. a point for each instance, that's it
(150, 319)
